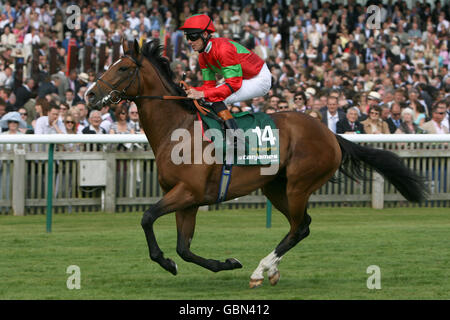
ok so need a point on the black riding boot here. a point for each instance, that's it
(222, 111)
(230, 123)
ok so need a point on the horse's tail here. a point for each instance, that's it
(388, 164)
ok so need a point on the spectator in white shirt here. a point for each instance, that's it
(435, 126)
(134, 21)
(107, 120)
(32, 37)
(8, 38)
(134, 118)
(50, 124)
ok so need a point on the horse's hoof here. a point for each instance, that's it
(171, 267)
(255, 283)
(273, 279)
(235, 263)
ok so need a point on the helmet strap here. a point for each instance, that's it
(205, 41)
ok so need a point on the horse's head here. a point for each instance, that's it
(120, 81)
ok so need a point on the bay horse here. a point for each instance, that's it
(309, 156)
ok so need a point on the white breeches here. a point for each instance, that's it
(257, 86)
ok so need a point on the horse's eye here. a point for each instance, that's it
(123, 69)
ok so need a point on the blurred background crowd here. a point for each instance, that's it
(333, 60)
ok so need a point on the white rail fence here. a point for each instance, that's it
(127, 181)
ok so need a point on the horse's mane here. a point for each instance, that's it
(152, 50)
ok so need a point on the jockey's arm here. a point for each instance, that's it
(231, 69)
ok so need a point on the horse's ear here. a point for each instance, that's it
(136, 48)
(124, 45)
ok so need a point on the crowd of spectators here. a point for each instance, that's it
(325, 60)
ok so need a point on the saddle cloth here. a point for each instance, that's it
(257, 130)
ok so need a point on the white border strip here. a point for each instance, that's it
(141, 138)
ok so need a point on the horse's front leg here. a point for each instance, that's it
(177, 198)
(185, 230)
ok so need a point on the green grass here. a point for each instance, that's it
(410, 245)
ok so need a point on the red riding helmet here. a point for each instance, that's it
(198, 23)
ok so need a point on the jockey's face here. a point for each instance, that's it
(197, 45)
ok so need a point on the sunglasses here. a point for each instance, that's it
(193, 36)
(441, 113)
(23, 114)
(396, 114)
(283, 107)
(72, 122)
(299, 98)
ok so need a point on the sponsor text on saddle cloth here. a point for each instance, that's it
(259, 133)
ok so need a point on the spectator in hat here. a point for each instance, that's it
(24, 116)
(10, 124)
(310, 93)
(15, 118)
(373, 99)
(83, 79)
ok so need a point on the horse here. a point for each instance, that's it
(309, 156)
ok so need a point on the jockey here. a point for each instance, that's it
(246, 75)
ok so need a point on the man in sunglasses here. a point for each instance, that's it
(246, 75)
(435, 125)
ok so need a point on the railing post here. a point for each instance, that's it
(110, 189)
(377, 191)
(51, 150)
(18, 190)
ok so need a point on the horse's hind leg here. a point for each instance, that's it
(294, 208)
(185, 229)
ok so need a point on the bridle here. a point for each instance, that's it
(115, 96)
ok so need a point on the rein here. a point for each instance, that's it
(115, 96)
